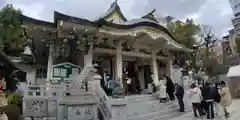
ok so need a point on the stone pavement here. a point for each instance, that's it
(234, 110)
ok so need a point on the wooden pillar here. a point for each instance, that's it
(88, 58)
(155, 67)
(119, 64)
(169, 69)
(50, 63)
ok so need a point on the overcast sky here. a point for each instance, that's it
(216, 13)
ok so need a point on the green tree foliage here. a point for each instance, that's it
(213, 67)
(185, 31)
(208, 66)
(10, 27)
(10, 35)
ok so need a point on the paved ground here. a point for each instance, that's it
(234, 110)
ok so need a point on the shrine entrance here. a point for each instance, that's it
(147, 76)
(134, 87)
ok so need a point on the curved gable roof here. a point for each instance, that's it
(149, 20)
(36, 21)
(113, 8)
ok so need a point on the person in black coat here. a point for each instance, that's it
(179, 94)
(203, 103)
(217, 99)
(208, 97)
(170, 88)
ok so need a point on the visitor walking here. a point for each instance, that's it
(179, 94)
(163, 94)
(203, 103)
(109, 86)
(208, 97)
(129, 82)
(170, 88)
(217, 99)
(226, 99)
(106, 76)
(195, 95)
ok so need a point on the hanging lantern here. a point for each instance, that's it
(84, 37)
(78, 42)
(74, 28)
(29, 40)
(42, 40)
(65, 40)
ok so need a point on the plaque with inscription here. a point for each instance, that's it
(80, 113)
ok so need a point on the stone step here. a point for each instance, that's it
(146, 107)
(150, 109)
(143, 103)
(151, 114)
(133, 97)
(141, 100)
(162, 114)
(171, 115)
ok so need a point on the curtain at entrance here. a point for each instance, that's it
(147, 75)
(132, 73)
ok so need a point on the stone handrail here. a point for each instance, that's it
(104, 104)
(42, 90)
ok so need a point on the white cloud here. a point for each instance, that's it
(32, 10)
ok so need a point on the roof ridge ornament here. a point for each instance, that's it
(114, 7)
(153, 11)
(151, 16)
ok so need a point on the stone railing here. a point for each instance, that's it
(111, 108)
(103, 99)
(104, 105)
(118, 108)
(41, 101)
(52, 101)
(43, 90)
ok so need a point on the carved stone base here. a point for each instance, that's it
(78, 108)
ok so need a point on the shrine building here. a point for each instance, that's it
(58, 50)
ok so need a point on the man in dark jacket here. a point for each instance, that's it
(179, 94)
(208, 94)
(170, 88)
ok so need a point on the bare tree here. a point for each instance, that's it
(207, 39)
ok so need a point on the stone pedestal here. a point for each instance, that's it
(78, 108)
(79, 104)
(119, 109)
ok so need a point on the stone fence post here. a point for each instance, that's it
(119, 109)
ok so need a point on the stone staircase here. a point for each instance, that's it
(146, 107)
